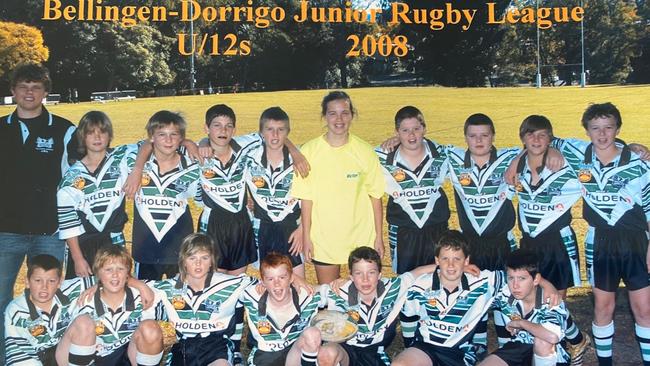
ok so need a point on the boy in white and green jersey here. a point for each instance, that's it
(418, 210)
(534, 330)
(374, 302)
(36, 323)
(162, 216)
(279, 318)
(616, 193)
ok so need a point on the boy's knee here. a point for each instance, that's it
(149, 332)
(83, 327)
(328, 356)
(311, 339)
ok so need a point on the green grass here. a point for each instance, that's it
(445, 110)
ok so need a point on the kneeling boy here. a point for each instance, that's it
(534, 328)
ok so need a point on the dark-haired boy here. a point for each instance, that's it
(39, 325)
(375, 302)
(34, 149)
(616, 186)
(442, 309)
(418, 209)
(162, 216)
(534, 330)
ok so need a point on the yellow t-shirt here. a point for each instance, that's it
(340, 184)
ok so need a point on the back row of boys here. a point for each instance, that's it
(613, 180)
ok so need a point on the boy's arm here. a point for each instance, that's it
(192, 149)
(305, 219)
(19, 350)
(300, 163)
(378, 212)
(537, 330)
(81, 266)
(553, 297)
(134, 179)
(146, 293)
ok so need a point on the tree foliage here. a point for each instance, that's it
(20, 43)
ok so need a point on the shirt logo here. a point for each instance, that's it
(354, 175)
(44, 145)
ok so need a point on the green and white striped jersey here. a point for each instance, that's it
(29, 330)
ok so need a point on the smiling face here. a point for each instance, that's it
(275, 134)
(29, 95)
(220, 130)
(536, 142)
(277, 281)
(522, 284)
(365, 275)
(451, 263)
(338, 117)
(113, 276)
(411, 134)
(96, 140)
(602, 132)
(166, 140)
(42, 286)
(198, 265)
(479, 140)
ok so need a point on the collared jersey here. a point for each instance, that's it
(270, 186)
(616, 194)
(341, 181)
(200, 313)
(448, 318)
(264, 332)
(222, 185)
(547, 205)
(483, 197)
(114, 328)
(378, 320)
(29, 330)
(415, 196)
(163, 199)
(93, 202)
(553, 319)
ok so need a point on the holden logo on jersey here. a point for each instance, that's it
(146, 179)
(79, 183)
(209, 173)
(465, 179)
(264, 327)
(258, 181)
(399, 175)
(99, 327)
(44, 145)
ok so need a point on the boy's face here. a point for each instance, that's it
(29, 95)
(451, 263)
(277, 281)
(275, 134)
(96, 140)
(220, 130)
(521, 284)
(113, 276)
(537, 142)
(602, 132)
(411, 134)
(197, 265)
(479, 140)
(42, 286)
(166, 140)
(365, 276)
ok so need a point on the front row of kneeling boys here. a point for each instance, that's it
(440, 305)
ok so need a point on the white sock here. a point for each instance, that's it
(148, 360)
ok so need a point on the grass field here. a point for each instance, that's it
(445, 110)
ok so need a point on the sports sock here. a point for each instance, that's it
(81, 355)
(148, 360)
(643, 337)
(308, 358)
(573, 333)
(603, 339)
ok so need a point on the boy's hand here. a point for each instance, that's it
(472, 269)
(132, 183)
(379, 246)
(300, 164)
(192, 150)
(336, 285)
(82, 268)
(554, 160)
(390, 144)
(640, 150)
(295, 239)
(300, 282)
(510, 175)
(307, 247)
(260, 288)
(87, 295)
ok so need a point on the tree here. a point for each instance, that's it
(20, 43)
